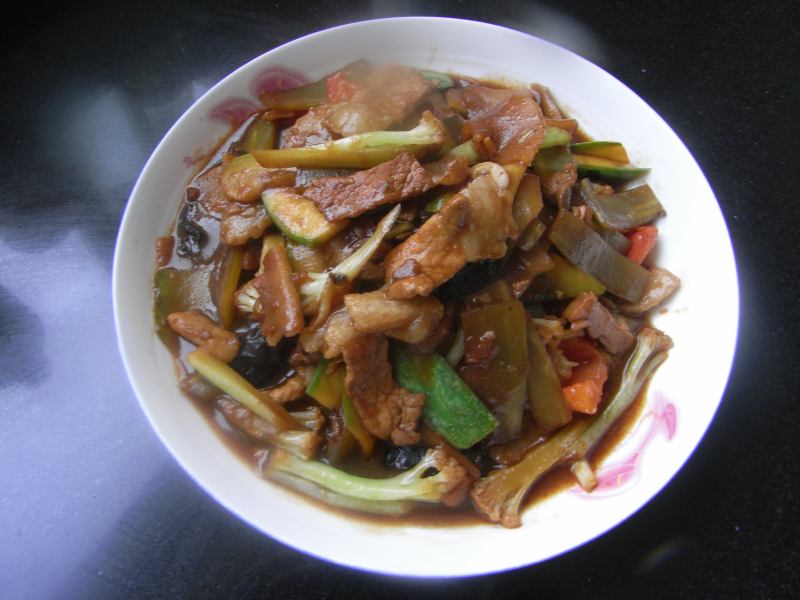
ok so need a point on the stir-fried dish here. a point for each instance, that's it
(395, 288)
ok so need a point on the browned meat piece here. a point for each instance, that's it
(250, 424)
(412, 320)
(203, 332)
(207, 190)
(387, 410)
(660, 286)
(508, 122)
(278, 297)
(339, 330)
(246, 185)
(291, 389)
(448, 170)
(164, 247)
(308, 130)
(352, 195)
(473, 225)
(558, 187)
(388, 183)
(546, 101)
(243, 222)
(388, 95)
(586, 310)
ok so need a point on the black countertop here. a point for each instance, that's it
(91, 504)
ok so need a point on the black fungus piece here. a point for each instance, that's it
(191, 236)
(261, 364)
(403, 458)
(480, 458)
(472, 278)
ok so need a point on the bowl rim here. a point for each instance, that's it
(126, 352)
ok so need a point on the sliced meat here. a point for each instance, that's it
(660, 286)
(280, 305)
(473, 225)
(387, 410)
(389, 94)
(242, 222)
(558, 187)
(546, 101)
(508, 122)
(339, 331)
(207, 190)
(412, 320)
(291, 389)
(203, 332)
(353, 195)
(247, 184)
(250, 424)
(586, 310)
(310, 129)
(391, 182)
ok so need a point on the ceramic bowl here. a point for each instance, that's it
(681, 400)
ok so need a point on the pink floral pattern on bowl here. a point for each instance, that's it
(617, 477)
(234, 111)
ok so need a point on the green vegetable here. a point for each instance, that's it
(362, 150)
(588, 251)
(624, 210)
(610, 150)
(549, 161)
(451, 408)
(287, 432)
(563, 281)
(352, 421)
(545, 399)
(606, 170)
(306, 259)
(442, 81)
(392, 508)
(532, 234)
(499, 495)
(299, 98)
(527, 201)
(299, 218)
(500, 381)
(350, 267)
(413, 485)
(554, 136)
(260, 135)
(469, 150)
(326, 388)
(437, 203)
(650, 351)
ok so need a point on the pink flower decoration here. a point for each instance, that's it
(277, 79)
(233, 111)
(615, 478)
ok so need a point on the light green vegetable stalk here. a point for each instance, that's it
(351, 266)
(412, 485)
(650, 351)
(361, 151)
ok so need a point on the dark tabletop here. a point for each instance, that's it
(92, 505)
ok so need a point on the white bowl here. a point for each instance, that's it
(681, 400)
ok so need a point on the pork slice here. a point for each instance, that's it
(353, 195)
(510, 120)
(310, 129)
(412, 320)
(600, 324)
(558, 186)
(472, 225)
(387, 410)
(242, 222)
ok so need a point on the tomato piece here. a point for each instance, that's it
(642, 241)
(583, 391)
